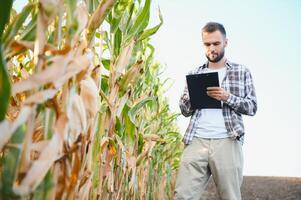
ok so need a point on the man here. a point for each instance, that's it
(214, 137)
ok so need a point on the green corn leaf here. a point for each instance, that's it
(4, 14)
(128, 24)
(29, 32)
(43, 190)
(140, 143)
(119, 127)
(114, 24)
(10, 161)
(133, 111)
(92, 5)
(4, 87)
(119, 15)
(123, 21)
(4, 78)
(149, 32)
(152, 50)
(141, 21)
(72, 23)
(49, 119)
(17, 23)
(105, 84)
(129, 125)
(106, 63)
(117, 43)
(96, 152)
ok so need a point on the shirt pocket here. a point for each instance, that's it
(235, 85)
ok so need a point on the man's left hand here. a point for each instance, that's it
(218, 93)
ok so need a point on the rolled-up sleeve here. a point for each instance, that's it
(184, 103)
(246, 104)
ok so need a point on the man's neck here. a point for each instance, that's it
(218, 65)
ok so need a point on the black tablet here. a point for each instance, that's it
(197, 86)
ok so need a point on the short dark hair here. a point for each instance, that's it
(211, 27)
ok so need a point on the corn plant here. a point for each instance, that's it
(83, 113)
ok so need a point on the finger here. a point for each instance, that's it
(214, 93)
(213, 88)
(217, 96)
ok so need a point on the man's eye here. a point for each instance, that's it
(216, 43)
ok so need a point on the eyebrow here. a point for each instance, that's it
(214, 43)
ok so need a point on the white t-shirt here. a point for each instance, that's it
(211, 121)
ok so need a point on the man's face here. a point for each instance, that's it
(214, 44)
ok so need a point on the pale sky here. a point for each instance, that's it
(264, 35)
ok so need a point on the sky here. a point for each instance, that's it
(264, 36)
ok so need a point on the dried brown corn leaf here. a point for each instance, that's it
(40, 167)
(89, 94)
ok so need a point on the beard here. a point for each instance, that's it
(217, 58)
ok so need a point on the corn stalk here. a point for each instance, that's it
(86, 116)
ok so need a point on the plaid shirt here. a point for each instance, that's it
(242, 100)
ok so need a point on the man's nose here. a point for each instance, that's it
(211, 47)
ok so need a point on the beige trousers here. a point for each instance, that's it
(221, 158)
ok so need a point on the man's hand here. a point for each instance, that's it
(218, 93)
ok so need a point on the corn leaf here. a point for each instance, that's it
(92, 5)
(114, 24)
(4, 14)
(117, 42)
(10, 161)
(29, 32)
(98, 16)
(40, 167)
(97, 124)
(72, 23)
(43, 190)
(10, 128)
(17, 23)
(4, 79)
(141, 21)
(149, 32)
(133, 111)
(4, 87)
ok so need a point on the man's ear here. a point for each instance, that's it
(226, 42)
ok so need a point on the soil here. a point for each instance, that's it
(263, 188)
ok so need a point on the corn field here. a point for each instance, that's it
(82, 107)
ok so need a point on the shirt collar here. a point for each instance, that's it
(229, 65)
